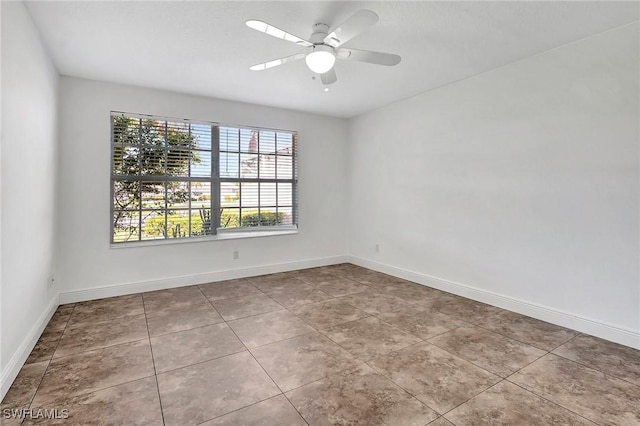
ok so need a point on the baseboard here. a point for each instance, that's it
(600, 329)
(186, 280)
(20, 356)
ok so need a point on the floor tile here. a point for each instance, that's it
(358, 398)
(273, 411)
(437, 378)
(134, 403)
(275, 282)
(106, 309)
(507, 404)
(66, 308)
(60, 318)
(441, 421)
(377, 279)
(430, 351)
(491, 351)
(279, 276)
(194, 394)
(91, 371)
(608, 357)
(25, 385)
(14, 417)
(374, 303)
(411, 292)
(178, 299)
(45, 347)
(369, 337)
(355, 273)
(540, 334)
(228, 289)
(183, 348)
(240, 307)
(169, 321)
(421, 321)
(328, 313)
(267, 328)
(337, 287)
(297, 297)
(592, 394)
(96, 335)
(295, 362)
(315, 275)
(467, 309)
(344, 269)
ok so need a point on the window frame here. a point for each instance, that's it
(215, 180)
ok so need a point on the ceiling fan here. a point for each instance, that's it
(325, 45)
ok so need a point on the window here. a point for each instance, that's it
(183, 179)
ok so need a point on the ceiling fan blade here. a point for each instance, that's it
(263, 27)
(378, 58)
(357, 23)
(276, 62)
(329, 77)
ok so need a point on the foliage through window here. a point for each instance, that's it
(185, 179)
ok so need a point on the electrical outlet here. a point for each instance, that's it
(236, 254)
(51, 282)
(377, 248)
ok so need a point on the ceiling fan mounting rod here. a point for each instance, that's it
(320, 32)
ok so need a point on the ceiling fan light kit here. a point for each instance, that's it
(321, 59)
(324, 45)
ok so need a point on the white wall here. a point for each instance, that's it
(86, 259)
(521, 182)
(28, 176)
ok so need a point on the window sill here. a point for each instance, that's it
(221, 236)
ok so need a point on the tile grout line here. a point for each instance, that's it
(512, 338)
(261, 366)
(96, 390)
(415, 335)
(285, 307)
(525, 366)
(62, 398)
(502, 379)
(469, 361)
(99, 348)
(186, 329)
(153, 360)
(367, 315)
(242, 408)
(354, 355)
(506, 377)
(263, 369)
(612, 376)
(337, 373)
(439, 415)
(200, 362)
(375, 289)
(549, 400)
(588, 366)
(50, 360)
(566, 341)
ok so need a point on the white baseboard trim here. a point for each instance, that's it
(186, 280)
(600, 329)
(10, 372)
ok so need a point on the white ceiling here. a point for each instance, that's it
(204, 48)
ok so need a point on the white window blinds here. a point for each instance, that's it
(183, 179)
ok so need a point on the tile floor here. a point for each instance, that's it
(333, 345)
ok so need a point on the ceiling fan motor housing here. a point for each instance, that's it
(320, 31)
